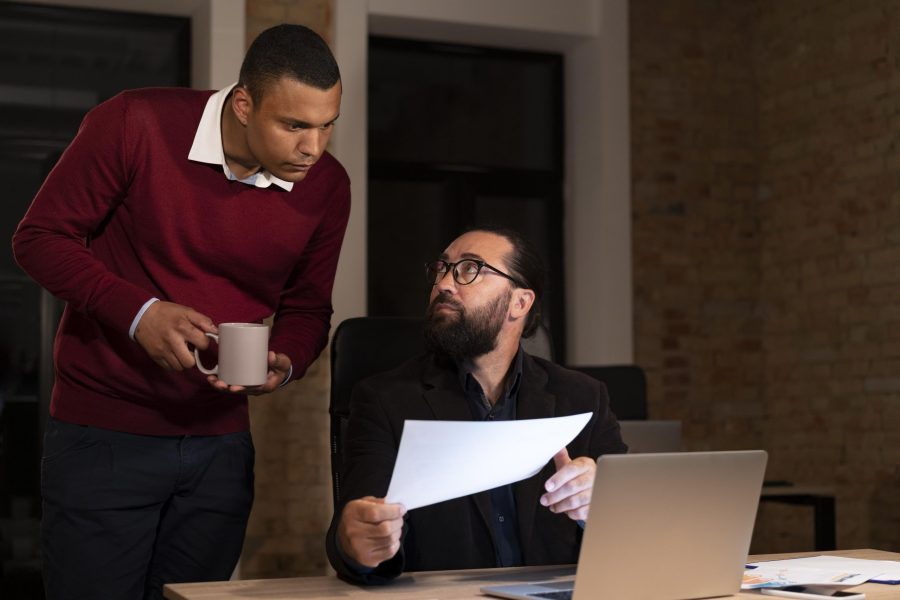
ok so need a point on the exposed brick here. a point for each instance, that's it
(787, 297)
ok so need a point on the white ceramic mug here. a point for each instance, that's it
(243, 354)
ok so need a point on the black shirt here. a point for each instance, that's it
(503, 504)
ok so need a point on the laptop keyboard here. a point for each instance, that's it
(560, 595)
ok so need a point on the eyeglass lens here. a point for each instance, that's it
(464, 272)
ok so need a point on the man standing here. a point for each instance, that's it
(173, 210)
(486, 291)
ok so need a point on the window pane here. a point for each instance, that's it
(442, 105)
(408, 226)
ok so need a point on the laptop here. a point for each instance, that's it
(651, 436)
(667, 526)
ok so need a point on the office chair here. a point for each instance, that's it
(627, 387)
(540, 344)
(361, 347)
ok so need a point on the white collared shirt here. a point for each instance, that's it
(208, 147)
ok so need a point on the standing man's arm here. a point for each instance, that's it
(303, 317)
(52, 242)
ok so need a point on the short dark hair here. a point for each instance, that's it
(291, 51)
(525, 264)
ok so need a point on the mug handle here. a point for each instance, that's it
(205, 371)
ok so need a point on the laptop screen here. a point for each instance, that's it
(666, 526)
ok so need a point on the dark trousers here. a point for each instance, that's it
(124, 514)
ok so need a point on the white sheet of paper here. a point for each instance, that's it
(874, 570)
(774, 576)
(440, 460)
(887, 570)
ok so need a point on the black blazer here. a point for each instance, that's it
(457, 534)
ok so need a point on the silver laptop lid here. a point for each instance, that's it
(669, 526)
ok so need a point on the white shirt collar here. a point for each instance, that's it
(208, 148)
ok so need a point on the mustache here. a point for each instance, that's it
(444, 298)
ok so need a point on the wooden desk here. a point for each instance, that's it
(447, 585)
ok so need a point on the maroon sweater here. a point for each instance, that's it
(125, 216)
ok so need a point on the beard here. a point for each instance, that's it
(466, 335)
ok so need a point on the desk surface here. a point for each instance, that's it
(447, 585)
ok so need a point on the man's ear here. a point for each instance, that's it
(241, 103)
(522, 301)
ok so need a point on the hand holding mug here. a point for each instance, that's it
(246, 365)
(279, 367)
(166, 329)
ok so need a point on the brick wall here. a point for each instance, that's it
(831, 277)
(696, 236)
(315, 14)
(292, 508)
(766, 170)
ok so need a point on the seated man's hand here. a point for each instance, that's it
(166, 329)
(369, 531)
(569, 490)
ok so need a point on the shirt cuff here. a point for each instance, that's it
(288, 377)
(351, 564)
(137, 318)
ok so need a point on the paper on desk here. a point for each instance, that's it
(440, 460)
(881, 571)
(770, 576)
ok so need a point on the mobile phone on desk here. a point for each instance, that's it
(811, 593)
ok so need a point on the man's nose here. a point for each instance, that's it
(446, 283)
(311, 142)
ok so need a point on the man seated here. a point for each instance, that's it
(485, 296)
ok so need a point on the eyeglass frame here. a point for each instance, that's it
(451, 268)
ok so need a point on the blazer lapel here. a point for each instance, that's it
(445, 397)
(443, 393)
(534, 402)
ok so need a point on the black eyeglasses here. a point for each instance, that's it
(464, 271)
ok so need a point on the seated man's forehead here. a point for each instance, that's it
(487, 247)
(479, 243)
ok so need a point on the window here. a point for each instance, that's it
(460, 137)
